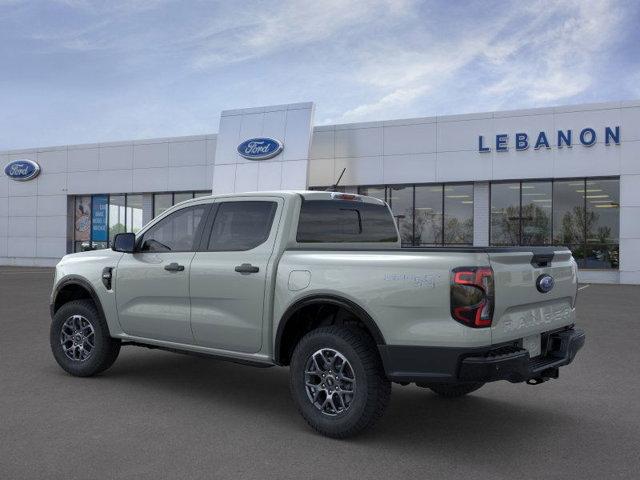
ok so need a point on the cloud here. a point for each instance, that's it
(288, 24)
(543, 52)
(125, 69)
(555, 63)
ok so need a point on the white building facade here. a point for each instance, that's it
(564, 175)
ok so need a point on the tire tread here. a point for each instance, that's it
(378, 386)
(106, 356)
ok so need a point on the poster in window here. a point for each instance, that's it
(99, 218)
(82, 219)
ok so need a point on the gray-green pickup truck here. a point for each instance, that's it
(317, 281)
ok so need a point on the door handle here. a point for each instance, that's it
(247, 268)
(174, 267)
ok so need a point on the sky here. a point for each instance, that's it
(80, 71)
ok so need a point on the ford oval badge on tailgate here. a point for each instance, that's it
(544, 283)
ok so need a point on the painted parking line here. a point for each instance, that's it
(583, 287)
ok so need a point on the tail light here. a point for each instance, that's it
(472, 296)
(346, 196)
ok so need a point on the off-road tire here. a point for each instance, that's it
(372, 388)
(105, 350)
(454, 390)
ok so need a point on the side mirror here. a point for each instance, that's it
(124, 242)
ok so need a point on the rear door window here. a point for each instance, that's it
(241, 225)
(339, 221)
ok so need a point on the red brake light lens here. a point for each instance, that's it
(472, 296)
(346, 196)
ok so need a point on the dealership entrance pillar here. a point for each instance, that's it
(291, 125)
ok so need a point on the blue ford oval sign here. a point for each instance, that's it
(22, 170)
(545, 283)
(260, 148)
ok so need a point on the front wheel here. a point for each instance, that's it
(337, 381)
(80, 339)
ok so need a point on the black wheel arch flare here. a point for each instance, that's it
(336, 300)
(75, 280)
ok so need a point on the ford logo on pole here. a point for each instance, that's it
(22, 170)
(545, 283)
(260, 148)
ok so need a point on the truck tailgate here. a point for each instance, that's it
(521, 310)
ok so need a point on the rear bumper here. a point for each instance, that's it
(484, 364)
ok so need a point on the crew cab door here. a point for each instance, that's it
(152, 285)
(228, 275)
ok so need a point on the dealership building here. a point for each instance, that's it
(560, 175)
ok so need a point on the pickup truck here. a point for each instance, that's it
(318, 281)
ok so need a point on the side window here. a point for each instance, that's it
(241, 225)
(175, 233)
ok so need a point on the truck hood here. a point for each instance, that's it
(97, 256)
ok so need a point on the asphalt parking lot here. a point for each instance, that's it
(160, 415)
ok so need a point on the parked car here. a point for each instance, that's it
(317, 281)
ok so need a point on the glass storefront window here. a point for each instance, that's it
(458, 214)
(116, 215)
(582, 214)
(602, 199)
(428, 214)
(505, 214)
(375, 192)
(401, 200)
(82, 223)
(134, 213)
(162, 202)
(569, 216)
(536, 213)
(99, 218)
(181, 197)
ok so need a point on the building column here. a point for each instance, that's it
(481, 215)
(629, 229)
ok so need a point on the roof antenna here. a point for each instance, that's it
(333, 187)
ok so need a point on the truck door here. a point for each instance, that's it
(228, 274)
(152, 285)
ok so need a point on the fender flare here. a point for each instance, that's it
(348, 305)
(81, 282)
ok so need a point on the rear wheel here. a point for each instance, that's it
(80, 339)
(337, 381)
(453, 390)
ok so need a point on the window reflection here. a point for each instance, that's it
(164, 201)
(428, 214)
(582, 214)
(505, 213)
(117, 215)
(536, 213)
(134, 213)
(568, 212)
(602, 198)
(458, 214)
(161, 203)
(375, 192)
(401, 199)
